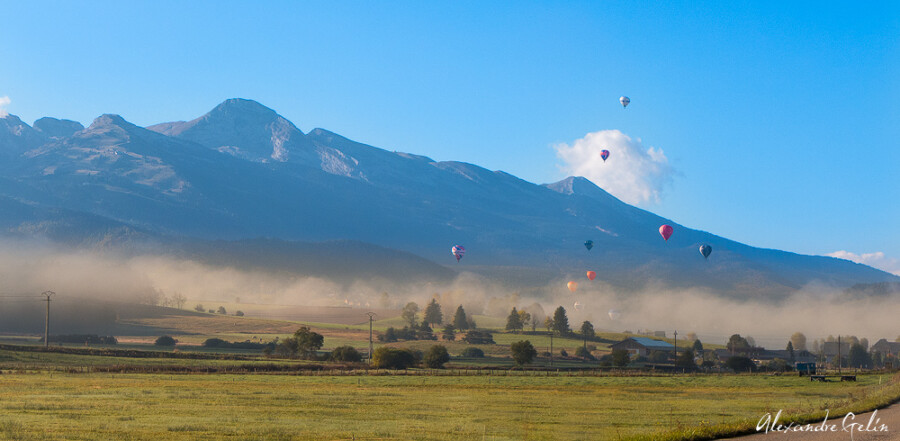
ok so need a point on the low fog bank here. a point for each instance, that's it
(28, 268)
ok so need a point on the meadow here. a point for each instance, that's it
(524, 406)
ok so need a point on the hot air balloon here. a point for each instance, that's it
(604, 154)
(624, 100)
(589, 244)
(591, 275)
(572, 286)
(458, 251)
(666, 231)
(578, 306)
(614, 314)
(705, 250)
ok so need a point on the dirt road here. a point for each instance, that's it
(862, 427)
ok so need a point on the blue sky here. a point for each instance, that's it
(779, 121)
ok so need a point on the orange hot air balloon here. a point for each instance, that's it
(572, 286)
(591, 275)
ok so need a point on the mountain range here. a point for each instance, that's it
(244, 174)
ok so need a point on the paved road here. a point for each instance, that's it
(855, 429)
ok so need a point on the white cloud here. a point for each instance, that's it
(875, 260)
(632, 173)
(4, 101)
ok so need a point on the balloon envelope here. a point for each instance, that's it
(578, 305)
(705, 250)
(589, 244)
(614, 314)
(458, 251)
(666, 231)
(572, 286)
(591, 275)
(624, 100)
(604, 154)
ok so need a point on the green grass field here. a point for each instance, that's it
(280, 407)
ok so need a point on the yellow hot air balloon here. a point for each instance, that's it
(573, 286)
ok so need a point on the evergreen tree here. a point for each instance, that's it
(513, 321)
(790, 349)
(433, 314)
(460, 321)
(561, 321)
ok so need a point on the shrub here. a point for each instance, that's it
(199, 308)
(221, 310)
(346, 353)
(563, 353)
(436, 356)
(620, 357)
(581, 352)
(479, 338)
(165, 340)
(523, 352)
(239, 313)
(215, 343)
(393, 358)
(740, 364)
(473, 353)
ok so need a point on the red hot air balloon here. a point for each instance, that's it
(572, 286)
(666, 231)
(604, 154)
(591, 275)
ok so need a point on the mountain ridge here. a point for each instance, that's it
(183, 179)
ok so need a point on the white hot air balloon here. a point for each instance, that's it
(624, 100)
(578, 306)
(614, 314)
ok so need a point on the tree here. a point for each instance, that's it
(410, 314)
(691, 336)
(859, 358)
(390, 335)
(620, 357)
(436, 356)
(524, 319)
(178, 300)
(523, 352)
(790, 349)
(587, 330)
(698, 347)
(865, 343)
(239, 313)
(686, 360)
(199, 308)
(736, 342)
(433, 314)
(740, 364)
(346, 353)
(584, 353)
(165, 340)
(561, 321)
(449, 333)
(308, 342)
(799, 341)
(459, 319)
(387, 357)
(221, 310)
(513, 321)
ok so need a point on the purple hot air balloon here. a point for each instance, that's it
(458, 251)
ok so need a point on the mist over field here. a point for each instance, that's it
(28, 268)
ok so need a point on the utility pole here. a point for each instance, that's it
(371, 319)
(551, 348)
(839, 354)
(676, 349)
(47, 320)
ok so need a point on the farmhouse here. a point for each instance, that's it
(886, 347)
(641, 346)
(830, 349)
